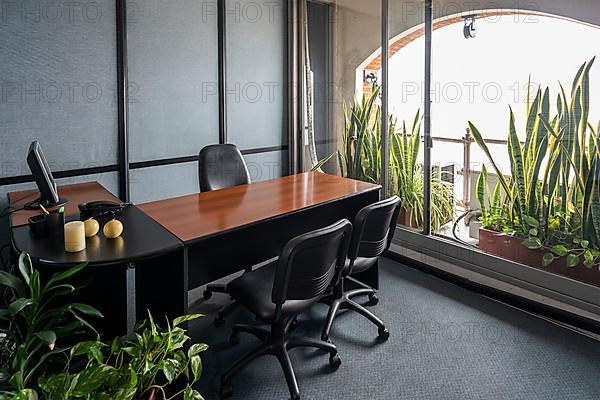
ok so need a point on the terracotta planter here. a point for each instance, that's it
(511, 248)
(407, 219)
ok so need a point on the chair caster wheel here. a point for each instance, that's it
(335, 361)
(234, 338)
(384, 334)
(219, 321)
(226, 391)
(373, 299)
(207, 295)
(293, 325)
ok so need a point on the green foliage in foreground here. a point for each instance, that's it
(131, 368)
(35, 323)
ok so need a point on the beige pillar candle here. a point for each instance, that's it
(74, 237)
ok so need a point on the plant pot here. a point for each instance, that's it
(406, 218)
(511, 248)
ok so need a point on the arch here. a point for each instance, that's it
(373, 62)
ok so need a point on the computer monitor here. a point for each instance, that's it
(43, 178)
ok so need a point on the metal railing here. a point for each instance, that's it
(465, 171)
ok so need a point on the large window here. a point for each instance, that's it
(497, 163)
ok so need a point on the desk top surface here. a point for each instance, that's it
(75, 194)
(142, 236)
(205, 214)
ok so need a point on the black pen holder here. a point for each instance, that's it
(52, 224)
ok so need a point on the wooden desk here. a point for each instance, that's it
(229, 229)
(182, 243)
(202, 215)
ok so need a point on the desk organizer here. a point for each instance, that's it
(48, 224)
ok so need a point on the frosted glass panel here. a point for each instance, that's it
(256, 72)
(158, 183)
(57, 83)
(265, 166)
(173, 74)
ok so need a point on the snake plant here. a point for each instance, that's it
(360, 158)
(552, 197)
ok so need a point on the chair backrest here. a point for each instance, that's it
(374, 228)
(221, 166)
(309, 262)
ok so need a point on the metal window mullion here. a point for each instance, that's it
(122, 99)
(222, 66)
(385, 146)
(427, 120)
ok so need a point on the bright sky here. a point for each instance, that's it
(477, 79)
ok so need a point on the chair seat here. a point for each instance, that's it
(361, 264)
(254, 289)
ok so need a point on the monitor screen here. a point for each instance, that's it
(43, 177)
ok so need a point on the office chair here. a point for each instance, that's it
(374, 228)
(280, 291)
(221, 166)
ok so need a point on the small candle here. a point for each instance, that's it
(74, 237)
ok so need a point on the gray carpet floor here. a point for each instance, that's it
(446, 343)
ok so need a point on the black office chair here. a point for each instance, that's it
(374, 228)
(279, 292)
(221, 166)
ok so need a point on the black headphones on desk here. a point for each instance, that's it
(98, 209)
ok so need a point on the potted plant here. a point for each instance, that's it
(547, 213)
(36, 360)
(408, 179)
(360, 158)
(36, 324)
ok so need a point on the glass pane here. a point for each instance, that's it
(343, 37)
(256, 73)
(265, 166)
(173, 73)
(163, 182)
(524, 176)
(57, 86)
(406, 49)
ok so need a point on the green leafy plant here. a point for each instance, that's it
(360, 158)
(35, 324)
(408, 178)
(552, 198)
(142, 366)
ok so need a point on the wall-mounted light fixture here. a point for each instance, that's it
(370, 77)
(469, 28)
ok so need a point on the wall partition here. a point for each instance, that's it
(127, 93)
